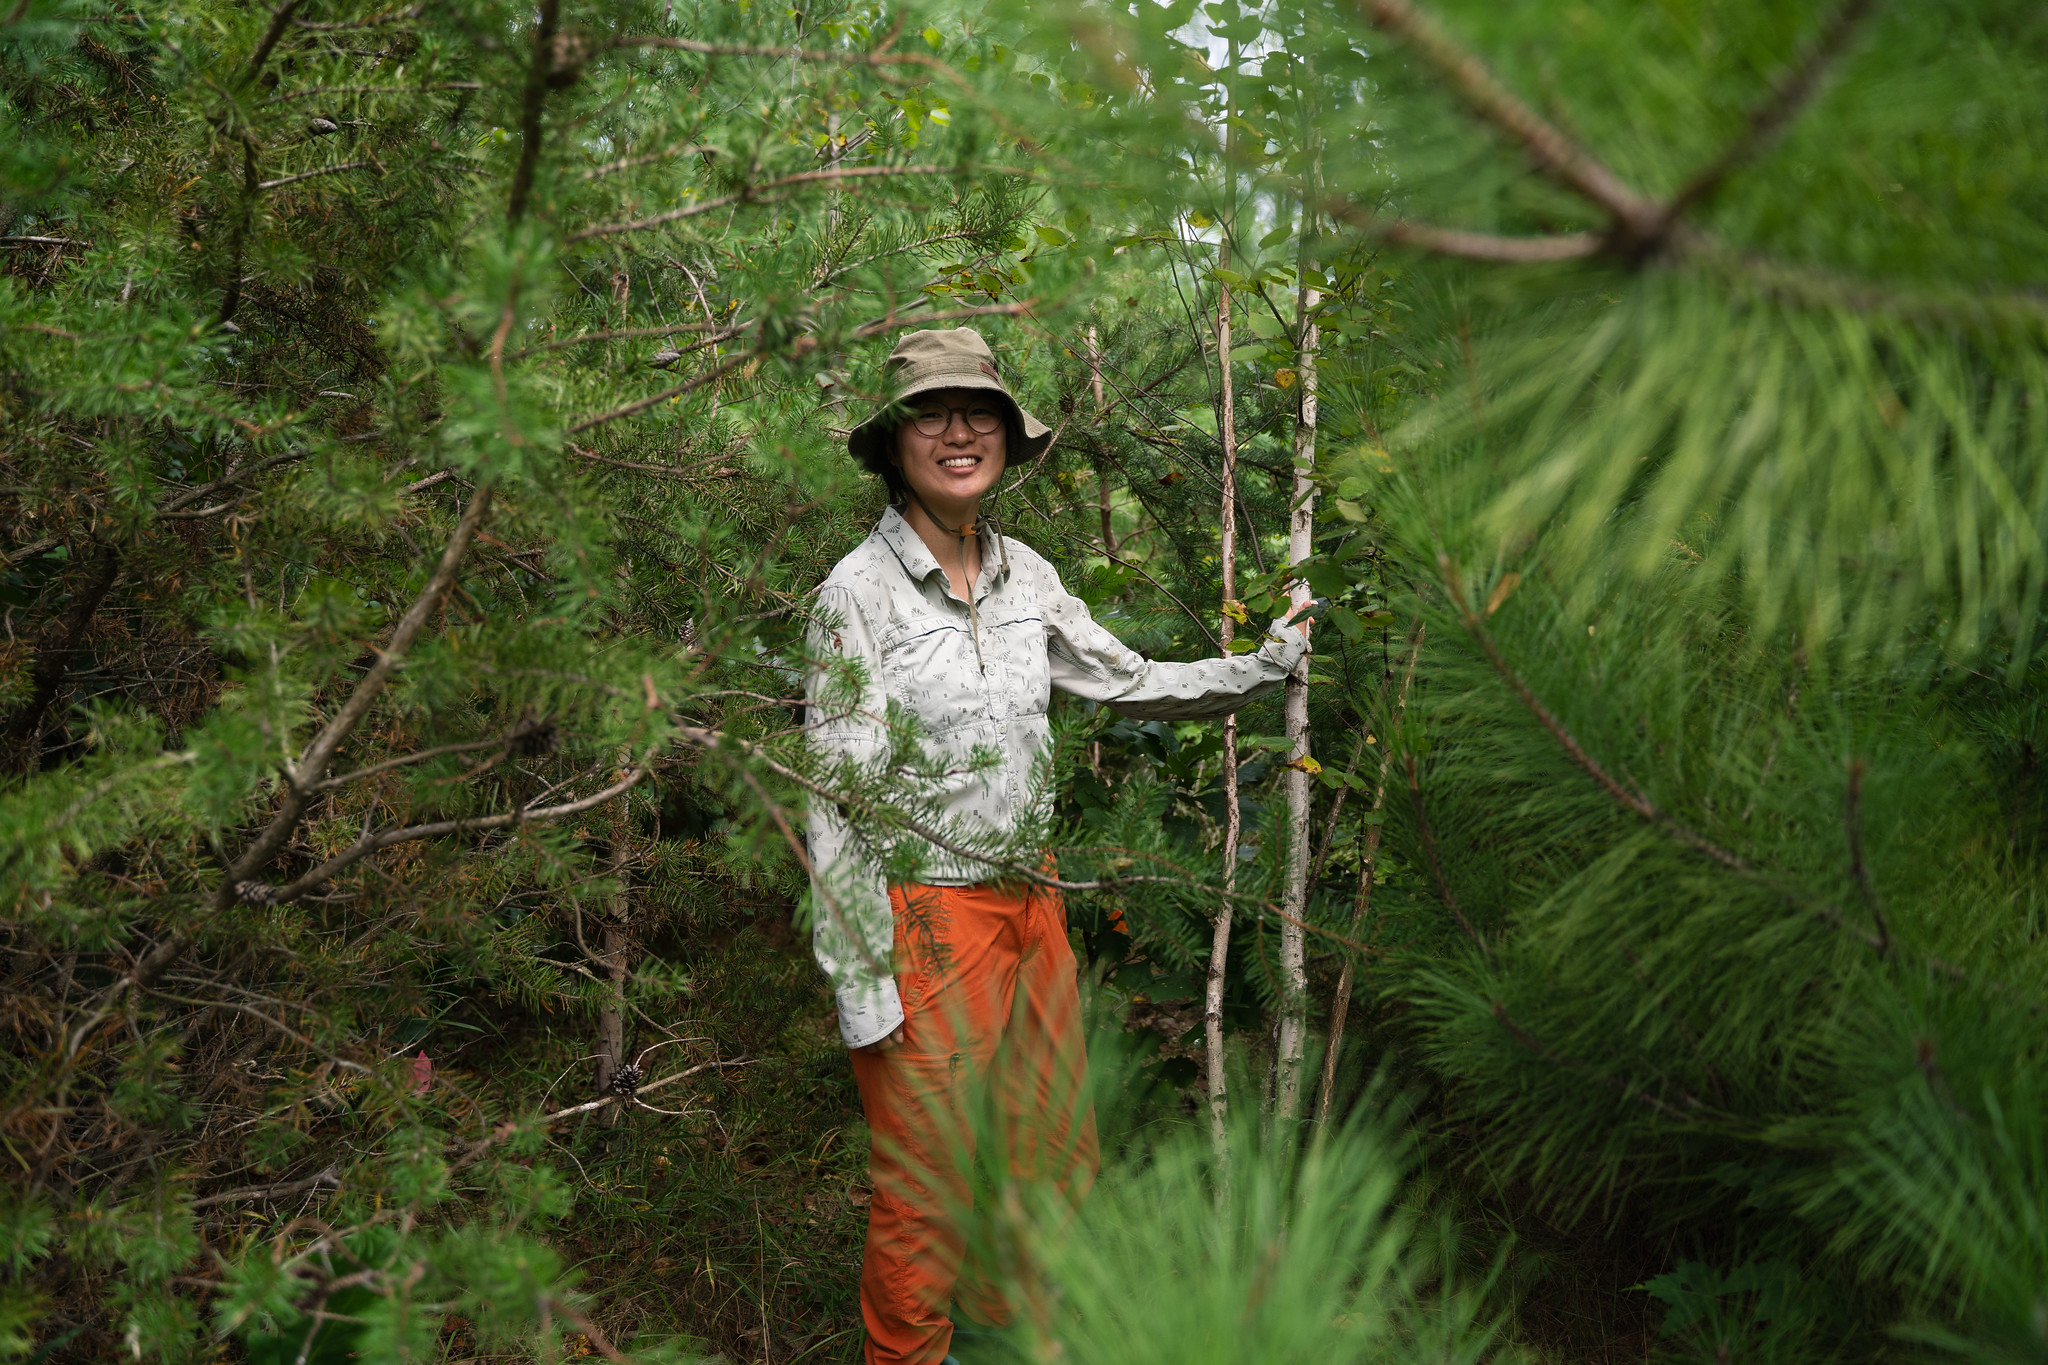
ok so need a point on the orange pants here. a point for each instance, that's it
(991, 1051)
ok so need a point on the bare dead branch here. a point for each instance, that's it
(629, 333)
(265, 894)
(752, 194)
(308, 175)
(328, 1177)
(404, 760)
(698, 381)
(627, 163)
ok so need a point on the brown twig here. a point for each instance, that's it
(1629, 1090)
(280, 19)
(533, 106)
(697, 381)
(1340, 1004)
(1852, 816)
(1436, 867)
(751, 194)
(1633, 800)
(284, 180)
(1792, 92)
(1548, 149)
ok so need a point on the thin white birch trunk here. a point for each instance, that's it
(1101, 474)
(1219, 942)
(1299, 787)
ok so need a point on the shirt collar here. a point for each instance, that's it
(908, 547)
(916, 557)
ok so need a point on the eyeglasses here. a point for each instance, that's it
(934, 421)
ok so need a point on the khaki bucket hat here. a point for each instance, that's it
(942, 358)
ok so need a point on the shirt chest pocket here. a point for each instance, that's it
(1013, 641)
(928, 668)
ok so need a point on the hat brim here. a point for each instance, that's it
(869, 443)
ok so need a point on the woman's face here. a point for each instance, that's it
(959, 464)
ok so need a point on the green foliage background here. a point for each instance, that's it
(419, 429)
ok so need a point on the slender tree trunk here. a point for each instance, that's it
(1300, 789)
(1367, 865)
(613, 947)
(1219, 942)
(1101, 474)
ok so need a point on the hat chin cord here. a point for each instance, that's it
(960, 534)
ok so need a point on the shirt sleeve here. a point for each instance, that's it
(1088, 661)
(853, 928)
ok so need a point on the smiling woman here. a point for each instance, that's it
(956, 990)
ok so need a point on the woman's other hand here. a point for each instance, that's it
(889, 1044)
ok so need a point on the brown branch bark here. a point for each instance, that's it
(284, 180)
(1486, 246)
(533, 106)
(1793, 91)
(751, 194)
(1436, 867)
(280, 19)
(1548, 149)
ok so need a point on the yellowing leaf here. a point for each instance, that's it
(1305, 764)
(1284, 378)
(1234, 609)
(934, 37)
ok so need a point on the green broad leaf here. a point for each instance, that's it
(1371, 817)
(1327, 579)
(1348, 509)
(1347, 621)
(1250, 351)
(1276, 236)
(1243, 646)
(1229, 277)
(934, 37)
(1052, 236)
(1377, 618)
(1267, 326)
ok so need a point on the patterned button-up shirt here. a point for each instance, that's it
(888, 605)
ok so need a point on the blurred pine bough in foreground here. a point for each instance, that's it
(1681, 379)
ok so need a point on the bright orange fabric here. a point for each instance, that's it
(992, 1046)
